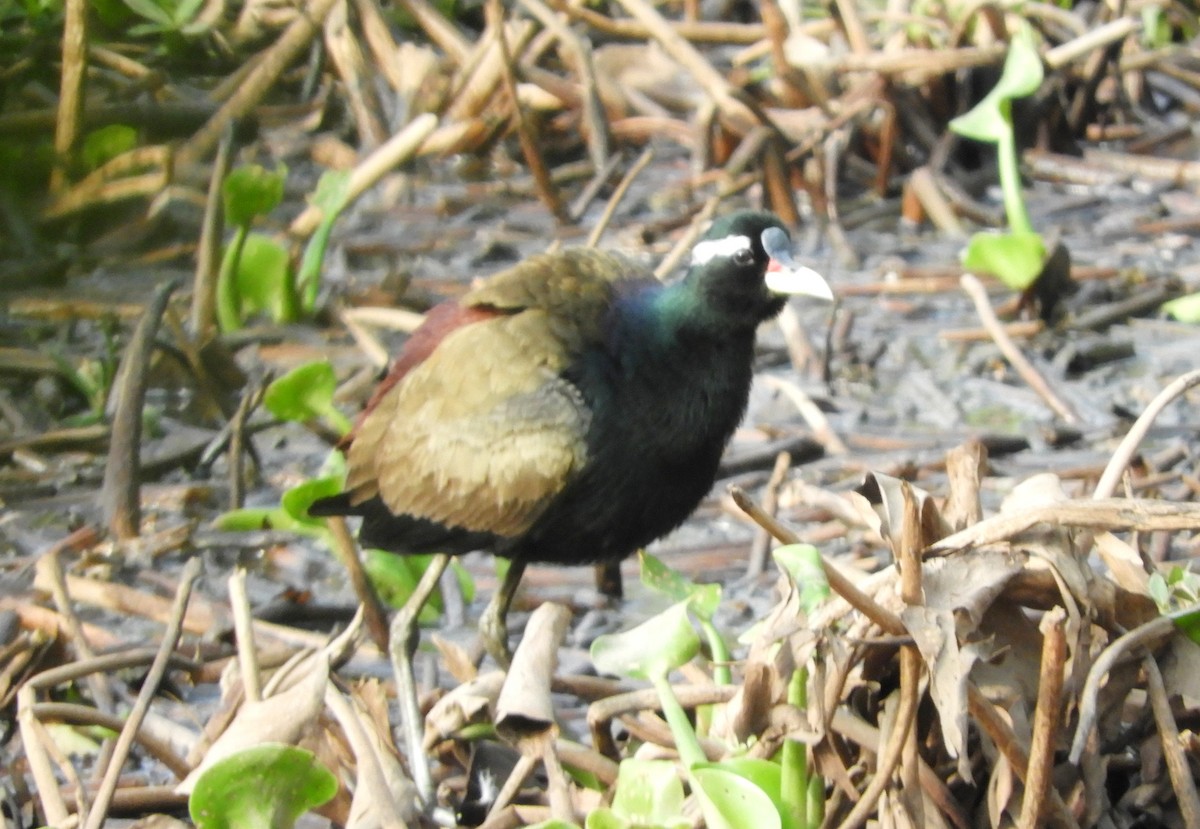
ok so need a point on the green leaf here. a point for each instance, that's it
(703, 598)
(765, 775)
(112, 13)
(794, 773)
(1016, 259)
(553, 823)
(802, 563)
(730, 801)
(1188, 621)
(73, 740)
(245, 520)
(260, 281)
(331, 196)
(604, 818)
(1184, 308)
(185, 11)
(265, 787)
(649, 793)
(251, 191)
(991, 119)
(296, 501)
(150, 10)
(1156, 27)
(1159, 591)
(305, 393)
(395, 577)
(651, 649)
(107, 143)
(292, 513)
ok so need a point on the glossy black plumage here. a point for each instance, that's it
(570, 409)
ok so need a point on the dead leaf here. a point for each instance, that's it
(281, 718)
(384, 796)
(1180, 665)
(886, 495)
(749, 712)
(524, 703)
(1123, 563)
(933, 631)
(969, 583)
(462, 706)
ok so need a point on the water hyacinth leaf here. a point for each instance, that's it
(247, 520)
(292, 513)
(251, 191)
(296, 501)
(704, 598)
(331, 196)
(395, 577)
(991, 119)
(302, 393)
(1184, 308)
(651, 649)
(265, 787)
(765, 775)
(1015, 259)
(604, 818)
(1188, 621)
(73, 740)
(259, 281)
(305, 393)
(802, 563)
(1157, 587)
(106, 143)
(730, 801)
(649, 793)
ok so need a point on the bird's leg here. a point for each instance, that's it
(608, 579)
(493, 624)
(402, 644)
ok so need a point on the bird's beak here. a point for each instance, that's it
(787, 276)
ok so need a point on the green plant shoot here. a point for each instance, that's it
(306, 393)
(649, 793)
(255, 272)
(702, 599)
(331, 197)
(1016, 257)
(1184, 308)
(801, 793)
(651, 651)
(265, 787)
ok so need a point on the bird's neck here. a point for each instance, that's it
(667, 338)
(681, 311)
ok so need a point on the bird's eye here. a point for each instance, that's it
(743, 257)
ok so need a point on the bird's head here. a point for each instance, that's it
(744, 268)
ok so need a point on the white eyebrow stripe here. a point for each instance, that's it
(711, 248)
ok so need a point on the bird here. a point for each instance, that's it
(569, 409)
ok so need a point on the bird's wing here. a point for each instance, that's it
(480, 435)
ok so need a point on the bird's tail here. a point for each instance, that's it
(334, 505)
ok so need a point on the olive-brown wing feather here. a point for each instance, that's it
(481, 435)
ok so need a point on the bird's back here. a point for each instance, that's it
(476, 432)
